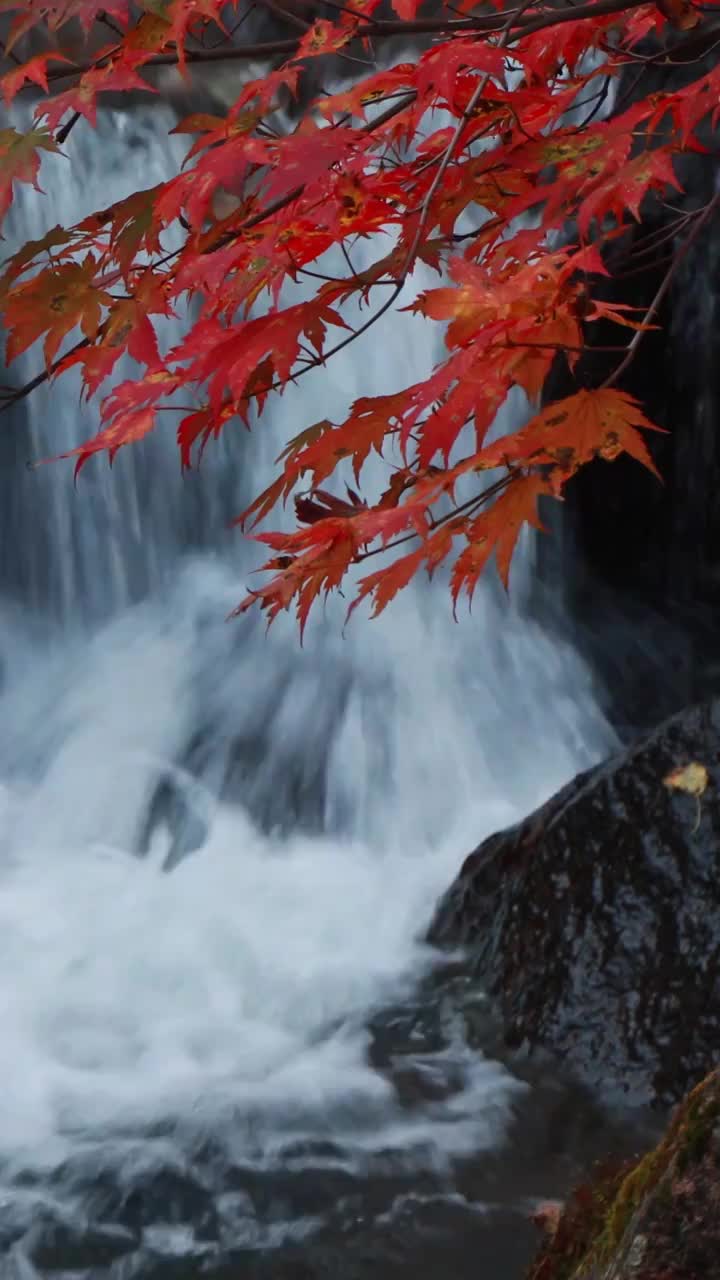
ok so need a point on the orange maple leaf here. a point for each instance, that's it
(497, 530)
(20, 161)
(53, 303)
(601, 423)
(323, 37)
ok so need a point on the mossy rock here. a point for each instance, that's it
(655, 1219)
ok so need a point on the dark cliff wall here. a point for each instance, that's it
(639, 561)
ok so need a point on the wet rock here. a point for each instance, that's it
(165, 1198)
(55, 1244)
(594, 925)
(657, 1218)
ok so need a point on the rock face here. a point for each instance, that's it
(594, 925)
(657, 1219)
(638, 562)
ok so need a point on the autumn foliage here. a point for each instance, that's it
(487, 152)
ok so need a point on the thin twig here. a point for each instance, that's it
(450, 151)
(7, 401)
(292, 18)
(479, 499)
(652, 310)
(63, 133)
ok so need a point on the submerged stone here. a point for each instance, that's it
(594, 925)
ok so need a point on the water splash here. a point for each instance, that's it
(328, 795)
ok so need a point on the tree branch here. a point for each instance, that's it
(383, 29)
(652, 310)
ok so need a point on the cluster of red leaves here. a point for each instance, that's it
(520, 152)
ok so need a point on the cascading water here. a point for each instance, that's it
(196, 1066)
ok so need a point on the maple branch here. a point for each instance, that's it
(346, 255)
(481, 24)
(702, 218)
(339, 346)
(318, 275)
(13, 397)
(555, 17)
(465, 508)
(601, 100)
(290, 44)
(477, 500)
(650, 245)
(558, 346)
(10, 54)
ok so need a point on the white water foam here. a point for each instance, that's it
(242, 978)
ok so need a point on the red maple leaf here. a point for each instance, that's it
(83, 96)
(127, 428)
(34, 71)
(627, 188)
(497, 530)
(600, 423)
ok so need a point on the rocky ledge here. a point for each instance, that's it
(656, 1219)
(594, 925)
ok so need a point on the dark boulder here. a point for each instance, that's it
(594, 925)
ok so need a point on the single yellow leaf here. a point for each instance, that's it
(547, 1217)
(691, 778)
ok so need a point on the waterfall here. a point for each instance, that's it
(312, 802)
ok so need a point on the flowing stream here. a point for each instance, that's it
(219, 851)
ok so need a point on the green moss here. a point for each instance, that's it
(701, 1119)
(583, 1218)
(597, 1217)
(631, 1193)
(685, 1144)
